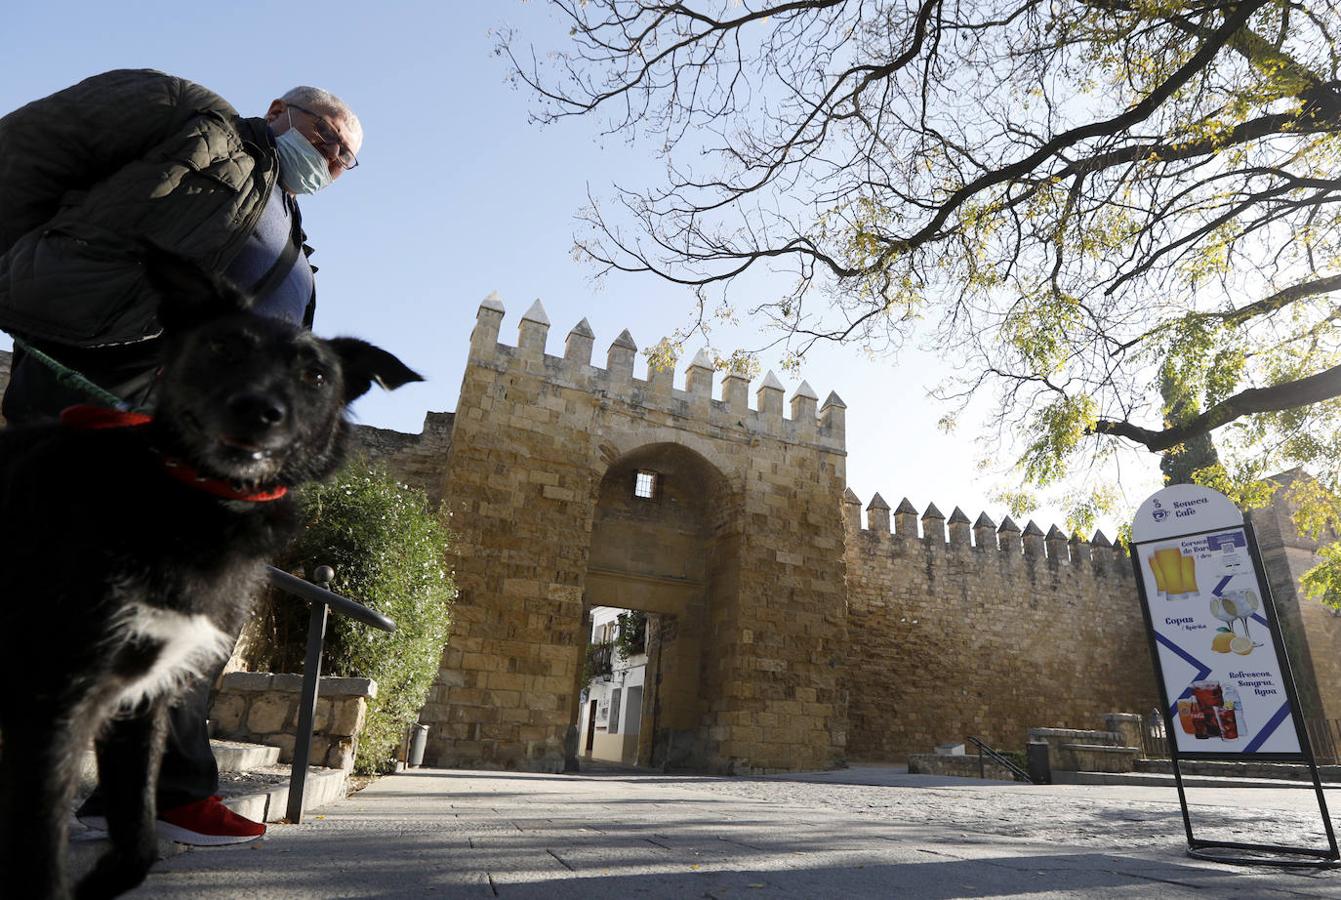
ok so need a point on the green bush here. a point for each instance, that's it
(388, 551)
(631, 639)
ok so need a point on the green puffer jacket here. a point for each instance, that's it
(93, 174)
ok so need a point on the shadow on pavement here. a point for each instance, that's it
(526, 869)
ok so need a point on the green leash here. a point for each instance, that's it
(72, 379)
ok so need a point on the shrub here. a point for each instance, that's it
(631, 638)
(388, 552)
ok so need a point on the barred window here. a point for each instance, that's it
(645, 485)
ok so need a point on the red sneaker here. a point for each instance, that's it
(207, 823)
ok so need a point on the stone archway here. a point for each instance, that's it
(665, 541)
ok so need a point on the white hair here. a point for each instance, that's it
(325, 102)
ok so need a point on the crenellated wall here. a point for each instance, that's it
(728, 414)
(967, 628)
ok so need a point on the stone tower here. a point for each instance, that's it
(573, 486)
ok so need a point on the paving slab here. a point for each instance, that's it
(451, 833)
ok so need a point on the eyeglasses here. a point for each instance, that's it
(328, 139)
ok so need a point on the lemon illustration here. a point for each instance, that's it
(1221, 642)
(1241, 645)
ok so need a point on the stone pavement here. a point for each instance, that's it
(856, 833)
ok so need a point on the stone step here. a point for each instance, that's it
(236, 756)
(1094, 758)
(1241, 769)
(261, 795)
(1156, 779)
(231, 756)
(1058, 736)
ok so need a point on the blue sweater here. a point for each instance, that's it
(280, 223)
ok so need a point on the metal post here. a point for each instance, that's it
(307, 706)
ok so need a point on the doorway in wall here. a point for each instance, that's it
(664, 544)
(616, 666)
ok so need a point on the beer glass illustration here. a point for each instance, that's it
(1175, 574)
(1189, 573)
(1161, 585)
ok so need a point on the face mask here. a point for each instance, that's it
(302, 168)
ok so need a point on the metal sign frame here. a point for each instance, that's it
(1198, 847)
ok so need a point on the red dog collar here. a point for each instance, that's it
(91, 418)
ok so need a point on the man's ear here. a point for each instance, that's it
(189, 295)
(362, 363)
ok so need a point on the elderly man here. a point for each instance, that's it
(90, 178)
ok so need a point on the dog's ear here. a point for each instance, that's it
(190, 295)
(362, 364)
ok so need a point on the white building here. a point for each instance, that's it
(613, 707)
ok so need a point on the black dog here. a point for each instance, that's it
(130, 549)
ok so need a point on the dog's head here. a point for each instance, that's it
(251, 399)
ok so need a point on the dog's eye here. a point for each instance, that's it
(314, 377)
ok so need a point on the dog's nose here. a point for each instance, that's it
(258, 410)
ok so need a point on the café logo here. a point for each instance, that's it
(1159, 514)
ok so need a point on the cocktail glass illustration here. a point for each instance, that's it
(1248, 604)
(1237, 606)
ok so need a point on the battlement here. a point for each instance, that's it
(808, 421)
(982, 535)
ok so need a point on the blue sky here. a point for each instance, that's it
(458, 195)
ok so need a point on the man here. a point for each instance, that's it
(90, 178)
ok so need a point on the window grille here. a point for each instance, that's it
(645, 485)
(614, 711)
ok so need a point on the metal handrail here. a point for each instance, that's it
(321, 599)
(999, 760)
(310, 592)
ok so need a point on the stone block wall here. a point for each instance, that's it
(262, 708)
(988, 633)
(966, 766)
(419, 460)
(1311, 631)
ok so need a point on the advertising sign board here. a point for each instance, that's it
(1219, 656)
(1216, 639)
